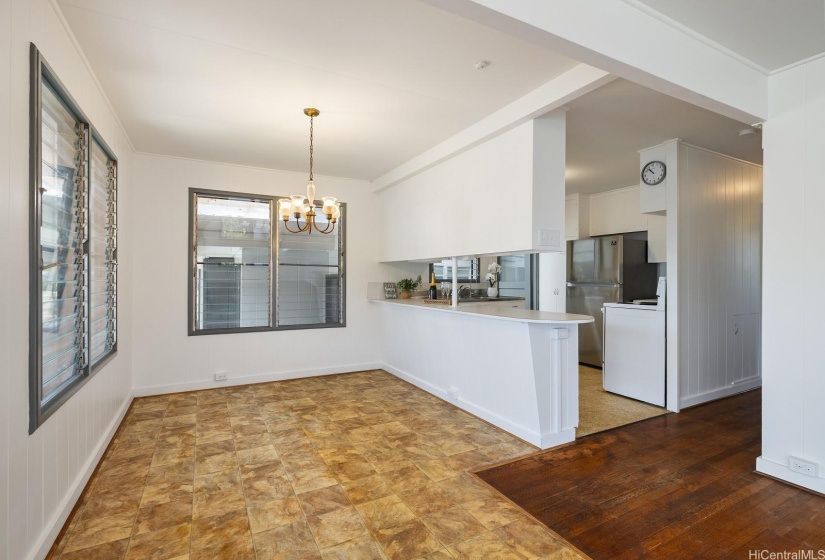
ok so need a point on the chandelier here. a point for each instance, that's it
(295, 207)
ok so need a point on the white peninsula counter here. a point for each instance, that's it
(515, 368)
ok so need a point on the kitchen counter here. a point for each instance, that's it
(515, 368)
(493, 309)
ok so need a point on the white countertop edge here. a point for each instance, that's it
(634, 306)
(494, 312)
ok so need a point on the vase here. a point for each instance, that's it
(406, 295)
(492, 292)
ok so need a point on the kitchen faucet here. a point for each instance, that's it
(461, 289)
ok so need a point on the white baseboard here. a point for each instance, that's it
(783, 472)
(747, 385)
(491, 417)
(249, 379)
(552, 440)
(55, 524)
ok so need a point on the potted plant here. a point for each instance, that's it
(407, 285)
(493, 270)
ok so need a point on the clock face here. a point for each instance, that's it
(654, 173)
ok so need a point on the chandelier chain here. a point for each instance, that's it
(311, 123)
(296, 206)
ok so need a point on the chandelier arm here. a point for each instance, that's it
(326, 229)
(290, 230)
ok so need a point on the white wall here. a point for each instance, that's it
(165, 358)
(42, 475)
(793, 415)
(483, 201)
(451, 209)
(719, 275)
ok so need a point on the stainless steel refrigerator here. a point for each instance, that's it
(603, 270)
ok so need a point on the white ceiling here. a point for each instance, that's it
(227, 81)
(770, 33)
(607, 127)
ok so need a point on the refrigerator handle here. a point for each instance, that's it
(604, 338)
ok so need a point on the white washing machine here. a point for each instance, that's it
(634, 348)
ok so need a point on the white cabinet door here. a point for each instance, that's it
(571, 218)
(656, 239)
(634, 353)
(552, 281)
(576, 216)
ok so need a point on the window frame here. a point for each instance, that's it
(274, 251)
(94, 137)
(39, 71)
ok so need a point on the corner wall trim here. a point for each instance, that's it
(249, 379)
(53, 527)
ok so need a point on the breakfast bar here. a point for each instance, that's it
(513, 367)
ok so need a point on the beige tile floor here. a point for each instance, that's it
(351, 466)
(600, 410)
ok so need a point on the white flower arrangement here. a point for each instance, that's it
(493, 270)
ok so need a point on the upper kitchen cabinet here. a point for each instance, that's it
(657, 167)
(576, 216)
(505, 195)
(616, 211)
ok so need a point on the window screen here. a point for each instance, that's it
(309, 276)
(233, 263)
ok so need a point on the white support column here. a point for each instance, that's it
(454, 302)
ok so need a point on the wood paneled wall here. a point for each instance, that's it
(42, 475)
(719, 274)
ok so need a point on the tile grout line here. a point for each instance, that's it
(323, 432)
(145, 480)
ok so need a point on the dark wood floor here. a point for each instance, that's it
(676, 486)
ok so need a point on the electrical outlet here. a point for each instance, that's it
(222, 376)
(802, 466)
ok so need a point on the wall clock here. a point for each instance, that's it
(654, 173)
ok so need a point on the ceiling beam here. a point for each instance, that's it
(628, 42)
(577, 81)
